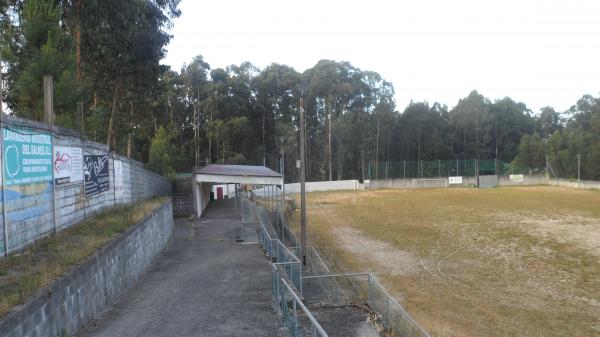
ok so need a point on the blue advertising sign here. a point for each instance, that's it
(27, 157)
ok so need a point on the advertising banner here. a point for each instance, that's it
(96, 174)
(455, 180)
(68, 165)
(517, 178)
(27, 157)
(118, 166)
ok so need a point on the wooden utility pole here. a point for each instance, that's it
(302, 181)
(48, 100)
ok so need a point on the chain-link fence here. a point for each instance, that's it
(292, 307)
(316, 284)
(408, 169)
(361, 288)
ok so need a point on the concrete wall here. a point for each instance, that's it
(314, 186)
(228, 190)
(584, 184)
(408, 183)
(68, 303)
(28, 209)
(201, 197)
(35, 210)
(527, 181)
(467, 182)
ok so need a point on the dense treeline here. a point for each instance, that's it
(105, 56)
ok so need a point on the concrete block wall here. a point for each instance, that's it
(32, 211)
(68, 303)
(97, 203)
(69, 198)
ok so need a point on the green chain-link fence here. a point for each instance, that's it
(409, 169)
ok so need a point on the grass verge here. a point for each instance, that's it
(23, 273)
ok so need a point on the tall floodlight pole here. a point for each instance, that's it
(302, 179)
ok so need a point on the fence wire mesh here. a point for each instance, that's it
(322, 287)
(292, 307)
(408, 169)
(317, 285)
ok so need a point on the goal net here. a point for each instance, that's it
(429, 183)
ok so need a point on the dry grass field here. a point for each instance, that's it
(514, 261)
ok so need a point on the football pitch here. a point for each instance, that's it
(512, 261)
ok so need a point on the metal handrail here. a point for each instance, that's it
(403, 311)
(274, 247)
(316, 327)
(336, 275)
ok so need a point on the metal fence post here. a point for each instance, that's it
(579, 170)
(387, 310)
(5, 232)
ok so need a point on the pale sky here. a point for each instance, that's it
(538, 52)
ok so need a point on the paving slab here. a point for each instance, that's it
(203, 284)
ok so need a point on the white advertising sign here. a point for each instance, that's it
(455, 180)
(119, 179)
(68, 164)
(516, 178)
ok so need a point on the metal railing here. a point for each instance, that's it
(337, 289)
(280, 255)
(290, 304)
(350, 288)
(393, 314)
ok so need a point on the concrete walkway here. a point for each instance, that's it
(203, 284)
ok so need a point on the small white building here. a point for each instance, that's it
(206, 178)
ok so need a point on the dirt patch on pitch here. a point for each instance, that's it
(575, 229)
(389, 258)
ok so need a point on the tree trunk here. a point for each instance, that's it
(78, 43)
(130, 135)
(340, 160)
(112, 117)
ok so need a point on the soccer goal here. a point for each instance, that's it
(429, 183)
